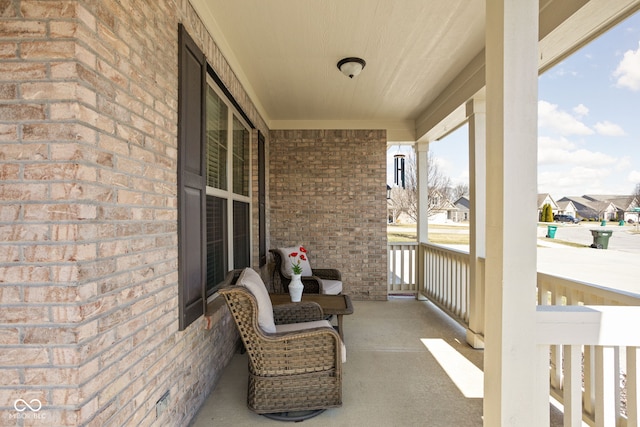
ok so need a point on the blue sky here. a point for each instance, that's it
(588, 121)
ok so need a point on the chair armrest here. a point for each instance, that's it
(312, 284)
(327, 273)
(310, 350)
(297, 312)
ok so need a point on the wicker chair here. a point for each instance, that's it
(293, 371)
(321, 280)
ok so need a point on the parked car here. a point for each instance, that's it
(565, 218)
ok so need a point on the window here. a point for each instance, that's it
(228, 161)
(214, 164)
(217, 118)
(262, 203)
(216, 241)
(240, 158)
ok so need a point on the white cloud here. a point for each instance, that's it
(634, 176)
(445, 167)
(560, 151)
(624, 163)
(586, 173)
(592, 159)
(628, 71)
(581, 110)
(463, 178)
(573, 182)
(554, 150)
(562, 142)
(561, 72)
(552, 118)
(607, 128)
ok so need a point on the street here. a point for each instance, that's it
(617, 267)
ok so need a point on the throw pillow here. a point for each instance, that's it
(286, 266)
(253, 282)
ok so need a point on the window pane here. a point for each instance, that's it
(216, 242)
(240, 158)
(217, 113)
(241, 235)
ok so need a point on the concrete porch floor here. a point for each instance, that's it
(390, 378)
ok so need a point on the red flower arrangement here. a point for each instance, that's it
(295, 266)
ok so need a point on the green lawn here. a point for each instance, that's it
(407, 233)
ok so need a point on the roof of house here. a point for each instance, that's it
(624, 202)
(546, 198)
(564, 204)
(463, 202)
(584, 207)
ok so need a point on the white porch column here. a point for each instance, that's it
(511, 82)
(476, 114)
(422, 153)
(422, 171)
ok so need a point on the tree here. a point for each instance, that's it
(549, 217)
(458, 191)
(398, 202)
(636, 194)
(547, 213)
(439, 189)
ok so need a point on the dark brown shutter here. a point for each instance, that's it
(262, 208)
(191, 180)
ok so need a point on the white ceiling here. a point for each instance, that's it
(285, 53)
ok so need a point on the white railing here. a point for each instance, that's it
(402, 268)
(598, 382)
(446, 275)
(446, 280)
(604, 398)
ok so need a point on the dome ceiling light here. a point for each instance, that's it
(351, 67)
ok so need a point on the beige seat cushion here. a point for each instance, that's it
(331, 287)
(253, 282)
(291, 327)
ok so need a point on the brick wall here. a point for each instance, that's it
(328, 192)
(88, 231)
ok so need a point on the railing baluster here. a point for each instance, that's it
(449, 278)
(589, 395)
(402, 262)
(572, 386)
(633, 379)
(605, 386)
(556, 350)
(617, 396)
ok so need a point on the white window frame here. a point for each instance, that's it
(228, 194)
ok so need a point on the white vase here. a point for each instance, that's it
(295, 288)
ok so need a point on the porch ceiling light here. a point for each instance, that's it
(351, 67)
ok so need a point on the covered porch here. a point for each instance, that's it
(390, 378)
(407, 364)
